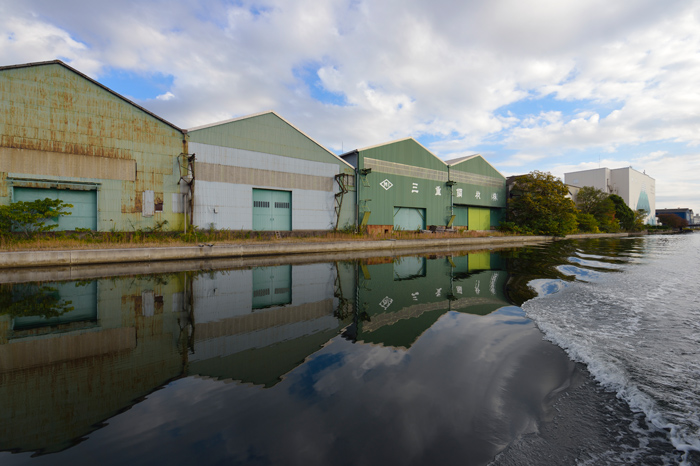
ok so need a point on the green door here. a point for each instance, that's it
(407, 218)
(272, 286)
(272, 210)
(479, 261)
(479, 218)
(84, 210)
(461, 214)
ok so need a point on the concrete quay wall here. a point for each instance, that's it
(81, 257)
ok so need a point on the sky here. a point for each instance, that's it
(549, 85)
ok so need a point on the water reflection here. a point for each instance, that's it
(257, 337)
(89, 351)
(528, 266)
(386, 360)
(399, 299)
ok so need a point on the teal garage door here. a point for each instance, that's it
(84, 210)
(62, 303)
(272, 286)
(408, 268)
(461, 214)
(272, 210)
(407, 218)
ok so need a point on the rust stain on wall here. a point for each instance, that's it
(133, 204)
(4, 190)
(65, 165)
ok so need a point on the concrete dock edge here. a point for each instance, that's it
(78, 257)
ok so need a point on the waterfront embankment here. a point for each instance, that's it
(82, 257)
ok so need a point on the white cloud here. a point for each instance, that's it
(25, 40)
(405, 68)
(167, 96)
(521, 160)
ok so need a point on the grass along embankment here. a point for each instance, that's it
(48, 252)
(59, 241)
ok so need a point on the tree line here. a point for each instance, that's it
(539, 204)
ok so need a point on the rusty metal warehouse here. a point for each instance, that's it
(65, 136)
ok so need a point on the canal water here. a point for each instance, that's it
(573, 353)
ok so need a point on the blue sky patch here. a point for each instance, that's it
(428, 139)
(137, 86)
(535, 106)
(308, 74)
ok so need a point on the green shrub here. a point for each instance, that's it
(512, 227)
(587, 223)
(29, 217)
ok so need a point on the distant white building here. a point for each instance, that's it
(637, 189)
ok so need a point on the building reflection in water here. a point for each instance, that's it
(104, 345)
(74, 354)
(256, 325)
(400, 299)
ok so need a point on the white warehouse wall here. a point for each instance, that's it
(631, 184)
(597, 178)
(230, 205)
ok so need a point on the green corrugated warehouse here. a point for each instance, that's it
(478, 193)
(402, 185)
(65, 136)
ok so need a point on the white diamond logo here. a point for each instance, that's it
(386, 184)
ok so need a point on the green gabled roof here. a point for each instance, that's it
(265, 132)
(475, 163)
(406, 151)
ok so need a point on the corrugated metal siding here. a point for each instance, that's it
(404, 174)
(51, 116)
(265, 133)
(393, 168)
(227, 205)
(226, 176)
(478, 184)
(407, 152)
(387, 191)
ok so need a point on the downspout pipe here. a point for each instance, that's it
(184, 197)
(357, 185)
(190, 160)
